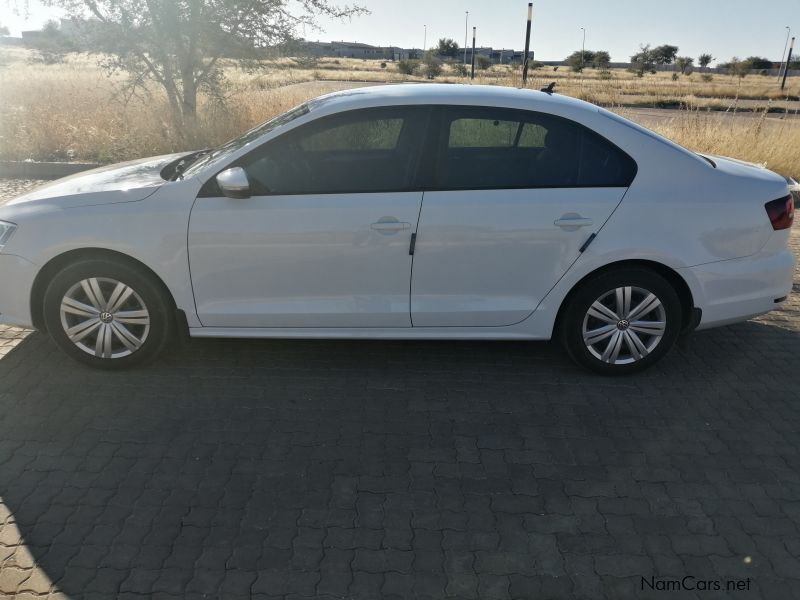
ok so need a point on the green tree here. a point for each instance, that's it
(758, 62)
(447, 47)
(684, 63)
(51, 46)
(705, 60)
(601, 59)
(738, 67)
(178, 44)
(643, 61)
(579, 59)
(664, 55)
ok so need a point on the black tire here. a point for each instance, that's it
(150, 332)
(631, 357)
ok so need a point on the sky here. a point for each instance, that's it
(725, 28)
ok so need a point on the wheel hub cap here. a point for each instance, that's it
(105, 317)
(624, 325)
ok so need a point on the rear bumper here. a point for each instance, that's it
(736, 290)
(16, 281)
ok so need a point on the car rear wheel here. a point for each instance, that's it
(107, 315)
(621, 322)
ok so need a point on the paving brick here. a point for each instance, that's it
(330, 469)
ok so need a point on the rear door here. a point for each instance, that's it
(516, 195)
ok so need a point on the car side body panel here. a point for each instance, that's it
(707, 224)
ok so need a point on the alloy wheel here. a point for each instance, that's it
(104, 317)
(624, 325)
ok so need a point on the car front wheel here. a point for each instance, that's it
(107, 315)
(621, 321)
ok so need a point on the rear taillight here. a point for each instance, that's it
(781, 212)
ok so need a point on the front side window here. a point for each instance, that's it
(496, 148)
(373, 150)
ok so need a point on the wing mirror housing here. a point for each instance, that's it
(234, 183)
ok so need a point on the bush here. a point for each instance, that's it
(483, 62)
(383, 65)
(707, 77)
(460, 69)
(605, 74)
(431, 66)
(674, 77)
(407, 67)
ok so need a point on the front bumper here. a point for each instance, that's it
(16, 282)
(736, 290)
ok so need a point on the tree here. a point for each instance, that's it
(4, 30)
(447, 47)
(738, 67)
(601, 59)
(758, 63)
(52, 44)
(664, 55)
(684, 63)
(179, 43)
(579, 59)
(705, 60)
(643, 61)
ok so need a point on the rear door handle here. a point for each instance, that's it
(572, 221)
(389, 225)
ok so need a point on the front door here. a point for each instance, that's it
(324, 239)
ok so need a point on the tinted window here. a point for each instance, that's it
(489, 148)
(359, 151)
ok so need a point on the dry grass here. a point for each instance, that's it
(73, 111)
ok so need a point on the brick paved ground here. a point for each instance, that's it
(325, 469)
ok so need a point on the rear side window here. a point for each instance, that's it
(496, 148)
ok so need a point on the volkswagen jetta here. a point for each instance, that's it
(405, 211)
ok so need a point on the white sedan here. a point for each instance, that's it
(405, 212)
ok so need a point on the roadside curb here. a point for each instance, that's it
(42, 170)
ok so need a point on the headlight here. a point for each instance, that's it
(6, 231)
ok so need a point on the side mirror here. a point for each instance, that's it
(234, 183)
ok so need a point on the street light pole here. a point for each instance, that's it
(527, 44)
(583, 47)
(472, 75)
(788, 59)
(466, 24)
(780, 68)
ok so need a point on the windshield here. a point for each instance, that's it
(235, 144)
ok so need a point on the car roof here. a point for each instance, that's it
(443, 93)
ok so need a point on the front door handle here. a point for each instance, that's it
(388, 225)
(572, 222)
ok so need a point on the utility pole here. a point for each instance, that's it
(583, 47)
(788, 60)
(786, 43)
(466, 24)
(527, 44)
(472, 76)
(425, 39)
